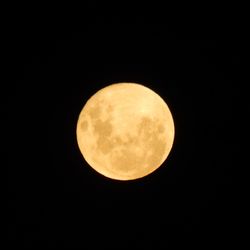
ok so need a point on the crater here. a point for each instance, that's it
(84, 125)
(157, 150)
(126, 161)
(146, 128)
(95, 112)
(109, 108)
(160, 128)
(144, 124)
(104, 144)
(103, 128)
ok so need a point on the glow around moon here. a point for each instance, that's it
(125, 131)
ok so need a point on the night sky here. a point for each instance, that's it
(61, 59)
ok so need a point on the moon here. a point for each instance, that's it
(125, 131)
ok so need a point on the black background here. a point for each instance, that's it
(62, 57)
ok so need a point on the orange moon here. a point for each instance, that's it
(125, 131)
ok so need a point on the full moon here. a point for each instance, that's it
(125, 131)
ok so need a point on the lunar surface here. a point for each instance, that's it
(125, 131)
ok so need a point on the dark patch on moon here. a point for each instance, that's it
(84, 125)
(103, 129)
